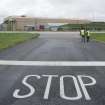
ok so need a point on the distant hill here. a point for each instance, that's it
(90, 26)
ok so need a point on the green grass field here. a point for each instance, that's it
(98, 36)
(11, 39)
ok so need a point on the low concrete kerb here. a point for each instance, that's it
(99, 41)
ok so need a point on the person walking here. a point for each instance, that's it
(88, 36)
(82, 33)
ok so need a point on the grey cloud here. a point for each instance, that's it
(61, 2)
(92, 9)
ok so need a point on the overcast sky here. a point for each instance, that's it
(83, 9)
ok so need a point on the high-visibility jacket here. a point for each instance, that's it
(88, 33)
(82, 32)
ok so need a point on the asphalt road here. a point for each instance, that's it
(44, 85)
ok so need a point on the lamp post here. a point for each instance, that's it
(11, 21)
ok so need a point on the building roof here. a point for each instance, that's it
(48, 20)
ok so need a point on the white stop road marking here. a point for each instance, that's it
(52, 63)
(50, 77)
(16, 93)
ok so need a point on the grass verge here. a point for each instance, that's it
(98, 36)
(11, 39)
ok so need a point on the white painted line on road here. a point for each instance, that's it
(52, 63)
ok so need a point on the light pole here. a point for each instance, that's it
(11, 21)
